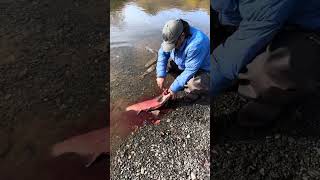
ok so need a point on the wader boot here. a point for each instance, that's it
(197, 87)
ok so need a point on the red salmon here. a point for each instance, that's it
(151, 104)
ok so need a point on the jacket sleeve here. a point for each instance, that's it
(261, 20)
(194, 59)
(162, 62)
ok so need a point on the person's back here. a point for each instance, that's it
(196, 40)
(256, 23)
(272, 51)
(189, 52)
(305, 14)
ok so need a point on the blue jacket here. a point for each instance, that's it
(193, 55)
(258, 21)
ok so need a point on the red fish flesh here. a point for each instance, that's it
(151, 104)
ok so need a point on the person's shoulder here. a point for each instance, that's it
(198, 37)
(195, 30)
(198, 41)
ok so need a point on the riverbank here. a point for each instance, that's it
(177, 148)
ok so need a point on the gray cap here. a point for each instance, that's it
(170, 34)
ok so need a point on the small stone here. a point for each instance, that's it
(193, 175)
(277, 136)
(142, 170)
(162, 134)
(168, 120)
(188, 136)
(262, 171)
(206, 165)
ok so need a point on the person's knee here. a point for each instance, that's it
(199, 83)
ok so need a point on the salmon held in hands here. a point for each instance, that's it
(151, 104)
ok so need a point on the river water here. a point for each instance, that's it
(135, 37)
(135, 28)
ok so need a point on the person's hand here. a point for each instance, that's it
(172, 94)
(160, 81)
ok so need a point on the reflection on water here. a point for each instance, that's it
(135, 27)
(132, 21)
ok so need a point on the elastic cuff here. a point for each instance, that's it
(163, 74)
(174, 89)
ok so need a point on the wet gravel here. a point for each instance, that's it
(275, 157)
(177, 148)
(53, 78)
(53, 55)
(278, 155)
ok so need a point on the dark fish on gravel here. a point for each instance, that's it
(148, 71)
(150, 50)
(150, 62)
(90, 145)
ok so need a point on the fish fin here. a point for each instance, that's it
(138, 112)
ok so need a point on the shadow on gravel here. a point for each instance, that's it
(304, 121)
(286, 149)
(181, 103)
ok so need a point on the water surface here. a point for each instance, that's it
(135, 28)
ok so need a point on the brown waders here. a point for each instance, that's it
(284, 76)
(196, 87)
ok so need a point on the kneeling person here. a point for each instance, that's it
(189, 52)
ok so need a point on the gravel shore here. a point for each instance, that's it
(177, 148)
(275, 157)
(278, 155)
(53, 79)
